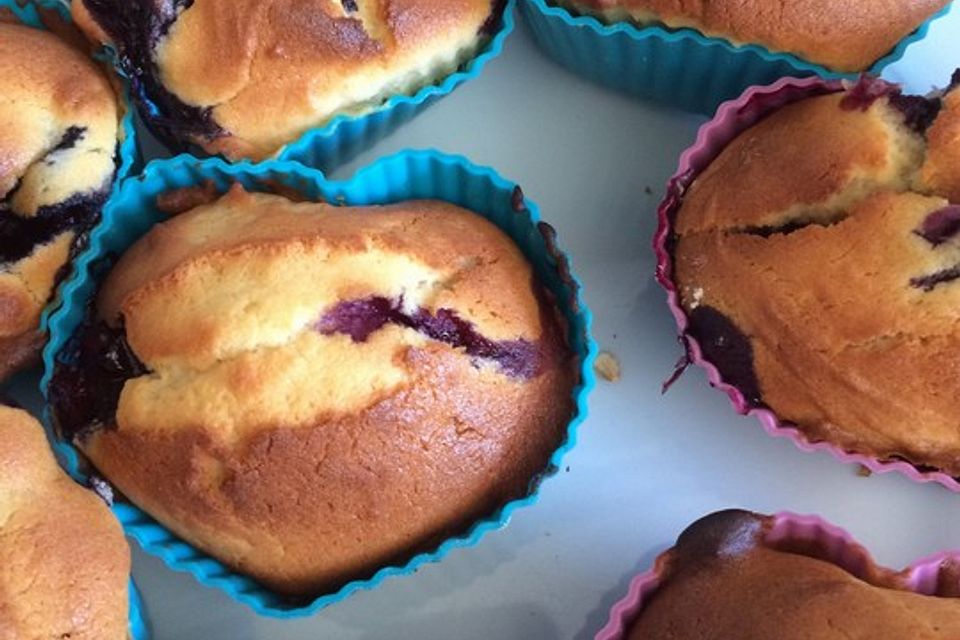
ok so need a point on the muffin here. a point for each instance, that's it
(243, 78)
(64, 564)
(697, 55)
(58, 143)
(309, 392)
(816, 260)
(841, 37)
(729, 579)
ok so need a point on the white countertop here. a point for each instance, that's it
(646, 465)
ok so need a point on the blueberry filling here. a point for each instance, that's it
(70, 138)
(7, 401)
(361, 318)
(350, 6)
(930, 282)
(941, 225)
(728, 349)
(136, 27)
(493, 22)
(865, 92)
(85, 388)
(20, 236)
(918, 112)
(782, 229)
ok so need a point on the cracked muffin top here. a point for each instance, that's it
(844, 36)
(308, 392)
(245, 77)
(64, 563)
(726, 579)
(817, 259)
(58, 138)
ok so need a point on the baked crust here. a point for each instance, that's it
(271, 70)
(307, 453)
(825, 271)
(724, 580)
(49, 88)
(58, 134)
(844, 36)
(941, 170)
(64, 563)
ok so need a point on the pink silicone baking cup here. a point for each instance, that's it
(731, 119)
(929, 576)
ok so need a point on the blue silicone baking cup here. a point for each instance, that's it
(28, 14)
(680, 68)
(138, 620)
(405, 176)
(345, 136)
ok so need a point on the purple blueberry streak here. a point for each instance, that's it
(359, 319)
(941, 225)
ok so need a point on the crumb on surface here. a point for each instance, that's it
(863, 472)
(607, 366)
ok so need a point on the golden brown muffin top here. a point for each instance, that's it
(235, 295)
(725, 581)
(64, 564)
(58, 121)
(270, 70)
(844, 36)
(58, 137)
(816, 257)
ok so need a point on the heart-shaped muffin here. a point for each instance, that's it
(309, 392)
(64, 564)
(59, 126)
(815, 260)
(246, 77)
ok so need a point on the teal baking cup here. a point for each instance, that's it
(138, 621)
(406, 176)
(343, 137)
(680, 68)
(29, 13)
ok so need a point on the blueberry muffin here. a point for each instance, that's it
(64, 564)
(245, 77)
(817, 259)
(842, 36)
(725, 581)
(310, 392)
(58, 137)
